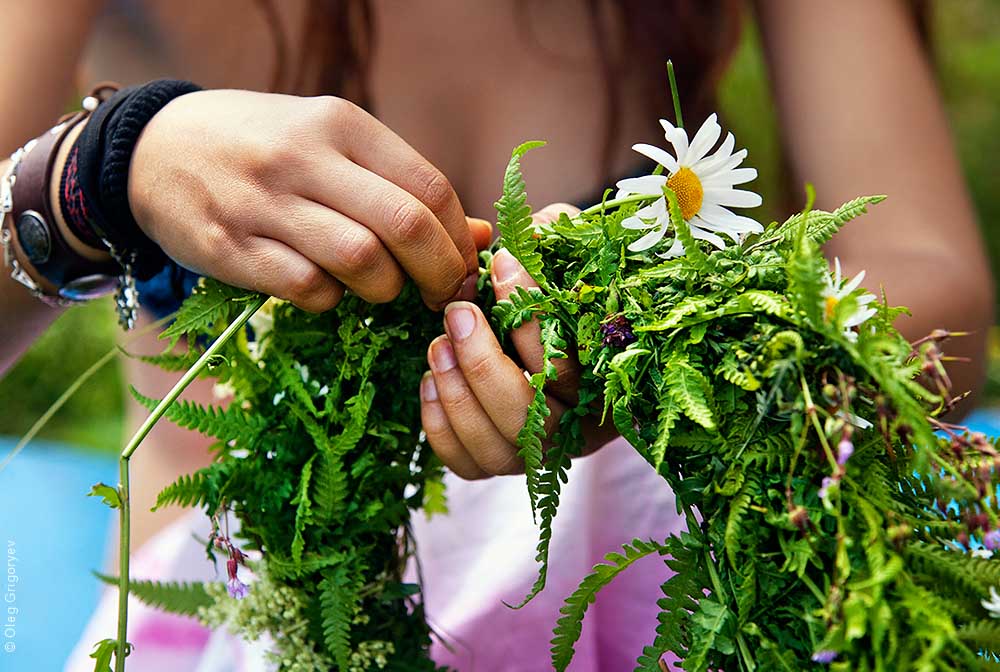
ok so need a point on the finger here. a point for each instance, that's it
(397, 162)
(497, 382)
(471, 424)
(345, 249)
(410, 231)
(551, 212)
(441, 436)
(272, 267)
(482, 232)
(508, 274)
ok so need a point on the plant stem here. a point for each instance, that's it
(634, 198)
(191, 374)
(121, 646)
(124, 525)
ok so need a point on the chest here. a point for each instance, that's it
(463, 82)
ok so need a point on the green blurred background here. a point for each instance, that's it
(966, 41)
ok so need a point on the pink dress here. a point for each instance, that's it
(473, 559)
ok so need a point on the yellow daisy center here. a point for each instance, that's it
(831, 306)
(689, 191)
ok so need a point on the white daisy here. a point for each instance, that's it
(993, 604)
(703, 183)
(837, 289)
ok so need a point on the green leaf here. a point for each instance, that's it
(184, 599)
(102, 653)
(435, 498)
(517, 234)
(689, 389)
(820, 226)
(338, 597)
(694, 254)
(303, 510)
(210, 303)
(108, 494)
(225, 424)
(713, 631)
(570, 624)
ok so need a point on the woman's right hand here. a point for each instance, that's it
(299, 198)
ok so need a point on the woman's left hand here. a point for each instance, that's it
(474, 400)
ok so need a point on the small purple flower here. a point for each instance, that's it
(237, 589)
(826, 656)
(991, 540)
(617, 332)
(844, 451)
(824, 488)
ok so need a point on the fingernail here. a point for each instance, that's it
(443, 356)
(460, 320)
(428, 390)
(504, 266)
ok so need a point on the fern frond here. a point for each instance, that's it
(182, 598)
(225, 424)
(303, 510)
(338, 598)
(517, 234)
(210, 303)
(189, 490)
(690, 389)
(820, 226)
(694, 254)
(570, 625)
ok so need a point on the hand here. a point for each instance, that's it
(475, 398)
(300, 198)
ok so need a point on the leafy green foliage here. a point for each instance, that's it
(731, 371)
(570, 625)
(514, 216)
(182, 598)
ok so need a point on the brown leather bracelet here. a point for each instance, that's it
(34, 247)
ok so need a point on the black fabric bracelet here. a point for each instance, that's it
(101, 158)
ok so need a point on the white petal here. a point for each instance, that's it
(649, 240)
(853, 284)
(713, 165)
(702, 234)
(661, 156)
(634, 222)
(730, 178)
(647, 184)
(733, 197)
(678, 137)
(722, 216)
(836, 271)
(704, 139)
(676, 250)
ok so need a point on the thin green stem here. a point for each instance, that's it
(674, 95)
(124, 531)
(634, 198)
(121, 647)
(190, 375)
(72, 389)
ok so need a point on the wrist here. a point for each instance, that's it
(88, 247)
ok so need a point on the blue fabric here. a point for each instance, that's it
(52, 538)
(163, 293)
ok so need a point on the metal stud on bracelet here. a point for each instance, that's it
(30, 241)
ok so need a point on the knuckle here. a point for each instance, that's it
(303, 285)
(435, 189)
(336, 109)
(409, 221)
(362, 254)
(479, 368)
(501, 461)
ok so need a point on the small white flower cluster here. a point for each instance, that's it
(703, 183)
(271, 609)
